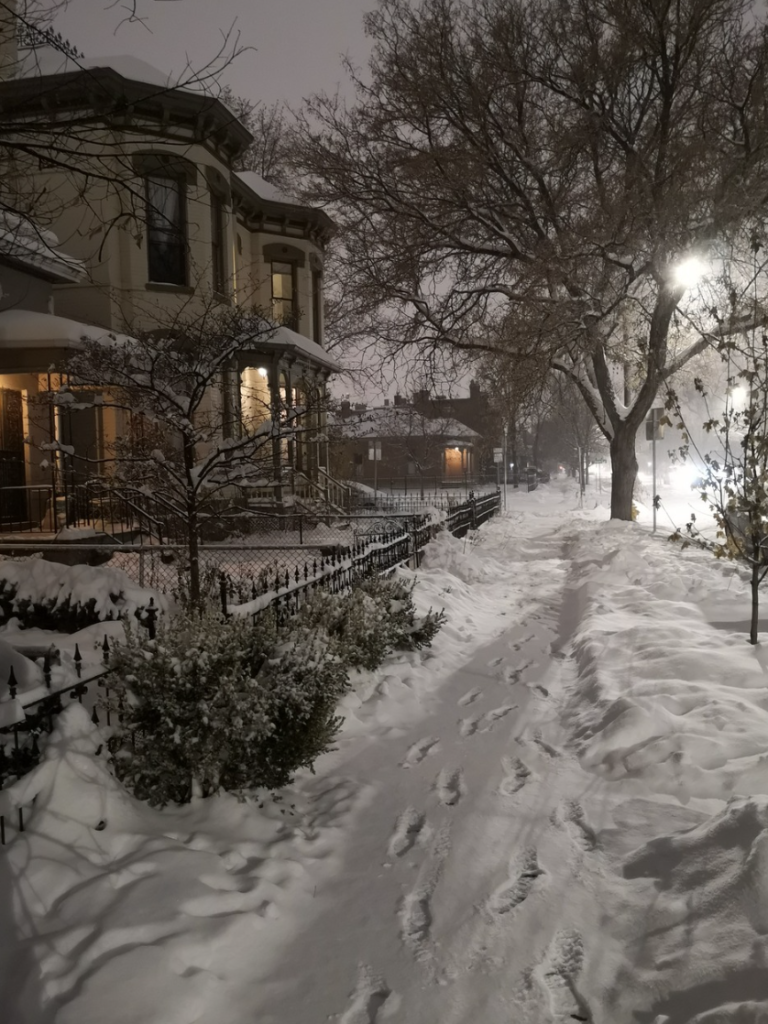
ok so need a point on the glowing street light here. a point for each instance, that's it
(689, 272)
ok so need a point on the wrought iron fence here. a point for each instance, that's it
(254, 578)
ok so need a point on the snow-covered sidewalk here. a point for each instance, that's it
(558, 813)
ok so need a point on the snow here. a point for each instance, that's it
(263, 189)
(558, 812)
(35, 247)
(287, 340)
(48, 60)
(113, 593)
(404, 422)
(23, 328)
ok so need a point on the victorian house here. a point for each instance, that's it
(152, 223)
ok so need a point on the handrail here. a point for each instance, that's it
(319, 489)
(343, 488)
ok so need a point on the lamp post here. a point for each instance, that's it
(505, 467)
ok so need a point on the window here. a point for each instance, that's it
(284, 294)
(317, 306)
(218, 252)
(166, 229)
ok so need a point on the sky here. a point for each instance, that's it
(298, 45)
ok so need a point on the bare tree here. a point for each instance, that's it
(192, 440)
(554, 161)
(269, 155)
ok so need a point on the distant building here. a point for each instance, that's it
(399, 446)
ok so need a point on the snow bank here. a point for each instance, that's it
(40, 582)
(662, 691)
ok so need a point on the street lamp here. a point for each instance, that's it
(689, 272)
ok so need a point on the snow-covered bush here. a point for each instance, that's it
(216, 704)
(376, 617)
(68, 597)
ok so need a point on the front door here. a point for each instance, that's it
(80, 429)
(13, 497)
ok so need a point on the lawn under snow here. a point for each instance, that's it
(558, 813)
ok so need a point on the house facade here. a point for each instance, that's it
(400, 447)
(145, 202)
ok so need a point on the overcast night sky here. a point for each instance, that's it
(298, 43)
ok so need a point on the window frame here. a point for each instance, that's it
(218, 242)
(177, 230)
(292, 319)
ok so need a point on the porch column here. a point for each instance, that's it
(274, 400)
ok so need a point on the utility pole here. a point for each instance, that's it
(505, 467)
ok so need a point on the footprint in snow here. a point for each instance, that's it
(542, 744)
(513, 675)
(469, 698)
(419, 750)
(580, 829)
(491, 717)
(495, 661)
(370, 995)
(469, 726)
(416, 921)
(517, 774)
(561, 968)
(517, 888)
(407, 830)
(450, 787)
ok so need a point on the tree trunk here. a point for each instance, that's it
(755, 586)
(624, 470)
(192, 525)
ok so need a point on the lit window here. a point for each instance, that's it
(166, 230)
(284, 294)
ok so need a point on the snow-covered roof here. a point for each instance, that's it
(285, 338)
(264, 190)
(23, 328)
(402, 420)
(48, 60)
(22, 241)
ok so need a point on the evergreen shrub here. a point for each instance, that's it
(376, 617)
(216, 704)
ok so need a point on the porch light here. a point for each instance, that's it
(689, 272)
(262, 372)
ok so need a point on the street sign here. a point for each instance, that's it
(498, 454)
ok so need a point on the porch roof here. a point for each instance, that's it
(285, 340)
(25, 329)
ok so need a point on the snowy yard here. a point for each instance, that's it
(558, 813)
